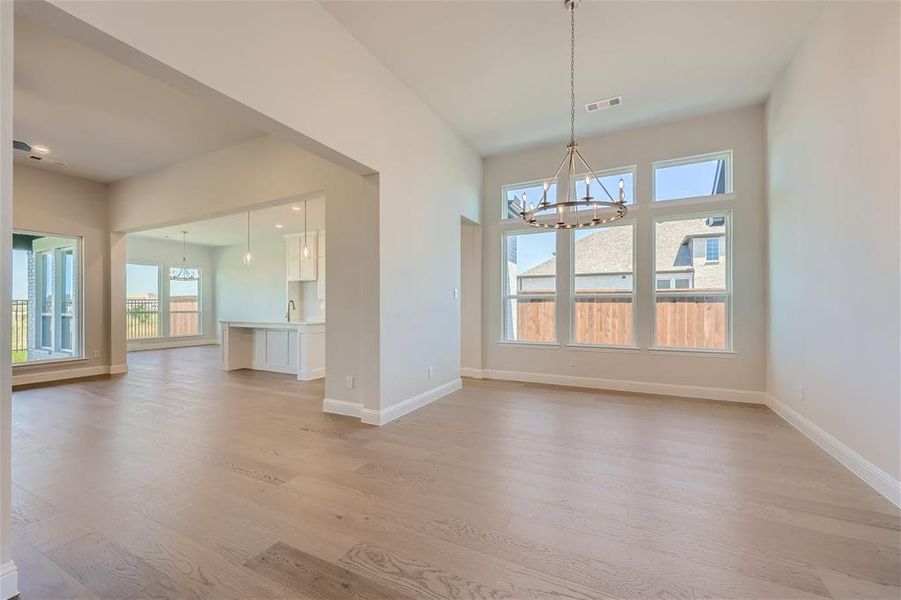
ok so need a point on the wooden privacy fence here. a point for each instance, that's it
(682, 322)
(142, 317)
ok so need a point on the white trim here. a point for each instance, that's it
(621, 385)
(664, 351)
(50, 361)
(386, 415)
(64, 374)
(873, 476)
(311, 374)
(9, 580)
(162, 343)
(472, 372)
(342, 407)
(528, 344)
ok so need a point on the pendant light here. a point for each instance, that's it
(306, 249)
(248, 257)
(573, 212)
(183, 273)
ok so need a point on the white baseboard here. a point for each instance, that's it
(9, 580)
(342, 407)
(872, 475)
(137, 346)
(621, 385)
(395, 411)
(63, 374)
(471, 372)
(312, 374)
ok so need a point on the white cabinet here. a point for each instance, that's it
(299, 267)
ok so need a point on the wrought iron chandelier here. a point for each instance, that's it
(183, 273)
(573, 212)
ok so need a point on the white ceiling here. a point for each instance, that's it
(232, 229)
(105, 119)
(498, 72)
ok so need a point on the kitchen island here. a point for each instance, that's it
(283, 347)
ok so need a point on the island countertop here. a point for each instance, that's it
(271, 324)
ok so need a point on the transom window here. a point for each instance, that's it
(693, 177)
(533, 191)
(610, 178)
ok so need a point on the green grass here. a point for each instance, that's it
(20, 356)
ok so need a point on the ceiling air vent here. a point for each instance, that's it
(602, 104)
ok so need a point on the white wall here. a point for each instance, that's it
(53, 203)
(254, 292)
(740, 130)
(166, 253)
(344, 101)
(833, 136)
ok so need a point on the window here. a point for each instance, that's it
(46, 297)
(693, 177)
(692, 293)
(533, 191)
(142, 301)
(184, 304)
(530, 287)
(603, 286)
(610, 179)
(712, 249)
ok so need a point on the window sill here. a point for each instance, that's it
(548, 345)
(695, 200)
(50, 361)
(693, 352)
(599, 348)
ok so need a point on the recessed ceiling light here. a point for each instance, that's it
(295, 208)
(38, 149)
(278, 225)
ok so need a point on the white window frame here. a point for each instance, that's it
(159, 304)
(707, 258)
(632, 169)
(603, 295)
(686, 293)
(78, 339)
(688, 160)
(506, 296)
(523, 184)
(170, 312)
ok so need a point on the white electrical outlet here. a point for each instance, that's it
(96, 353)
(801, 393)
(431, 372)
(572, 363)
(349, 382)
(456, 293)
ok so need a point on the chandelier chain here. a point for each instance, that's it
(572, 73)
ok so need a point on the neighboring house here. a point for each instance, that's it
(690, 254)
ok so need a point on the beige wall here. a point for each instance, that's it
(744, 371)
(470, 295)
(255, 292)
(833, 136)
(52, 203)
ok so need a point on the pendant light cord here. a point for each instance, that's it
(572, 72)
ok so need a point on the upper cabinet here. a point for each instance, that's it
(300, 267)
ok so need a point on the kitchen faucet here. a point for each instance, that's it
(290, 306)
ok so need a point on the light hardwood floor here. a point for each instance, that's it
(179, 480)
